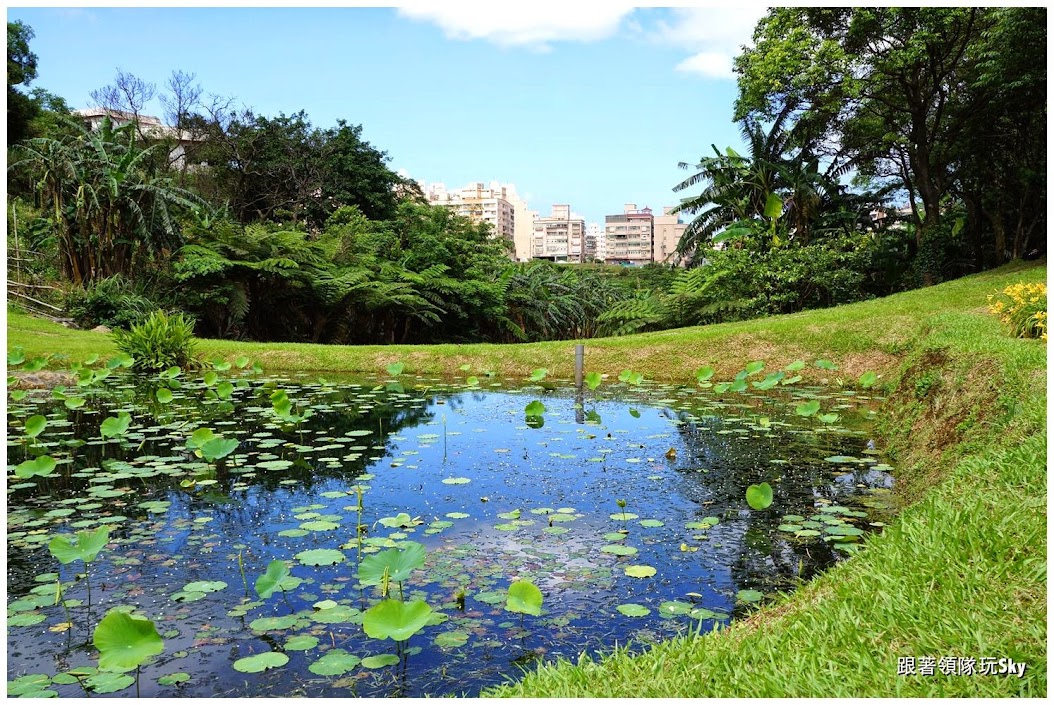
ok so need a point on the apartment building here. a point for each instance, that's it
(559, 237)
(595, 242)
(667, 234)
(479, 203)
(628, 236)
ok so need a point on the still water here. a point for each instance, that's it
(492, 495)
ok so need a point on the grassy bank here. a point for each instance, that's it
(961, 573)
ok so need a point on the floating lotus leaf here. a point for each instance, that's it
(335, 662)
(759, 496)
(261, 662)
(380, 661)
(619, 550)
(639, 571)
(321, 556)
(633, 610)
(301, 642)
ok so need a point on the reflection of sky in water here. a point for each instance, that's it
(565, 464)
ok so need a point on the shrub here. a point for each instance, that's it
(112, 302)
(1023, 308)
(159, 342)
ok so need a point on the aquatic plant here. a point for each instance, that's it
(159, 342)
(759, 496)
(392, 565)
(84, 546)
(126, 641)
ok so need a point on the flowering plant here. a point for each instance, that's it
(1022, 307)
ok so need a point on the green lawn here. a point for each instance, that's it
(961, 573)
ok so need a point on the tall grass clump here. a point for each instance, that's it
(160, 342)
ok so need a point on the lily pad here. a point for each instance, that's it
(261, 662)
(633, 610)
(380, 661)
(639, 571)
(334, 663)
(321, 556)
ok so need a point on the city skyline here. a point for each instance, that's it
(593, 107)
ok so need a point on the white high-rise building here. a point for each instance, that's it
(596, 241)
(559, 237)
(628, 236)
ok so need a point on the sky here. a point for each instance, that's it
(582, 103)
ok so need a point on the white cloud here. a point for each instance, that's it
(532, 25)
(715, 34)
(708, 63)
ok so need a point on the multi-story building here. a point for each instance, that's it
(149, 127)
(479, 204)
(559, 237)
(668, 232)
(595, 242)
(628, 236)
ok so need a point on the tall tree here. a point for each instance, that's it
(893, 91)
(21, 70)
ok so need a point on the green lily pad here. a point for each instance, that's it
(633, 610)
(103, 683)
(269, 624)
(334, 663)
(173, 678)
(639, 571)
(451, 640)
(380, 661)
(759, 496)
(618, 549)
(261, 662)
(749, 595)
(301, 642)
(321, 556)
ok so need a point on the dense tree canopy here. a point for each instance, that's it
(942, 100)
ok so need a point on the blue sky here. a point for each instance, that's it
(587, 104)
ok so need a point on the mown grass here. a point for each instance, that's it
(961, 572)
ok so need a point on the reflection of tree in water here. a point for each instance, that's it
(768, 558)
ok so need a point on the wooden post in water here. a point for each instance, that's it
(580, 354)
(580, 412)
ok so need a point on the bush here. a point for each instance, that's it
(1023, 308)
(159, 342)
(112, 302)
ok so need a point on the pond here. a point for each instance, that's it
(263, 547)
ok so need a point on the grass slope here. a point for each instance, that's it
(961, 573)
